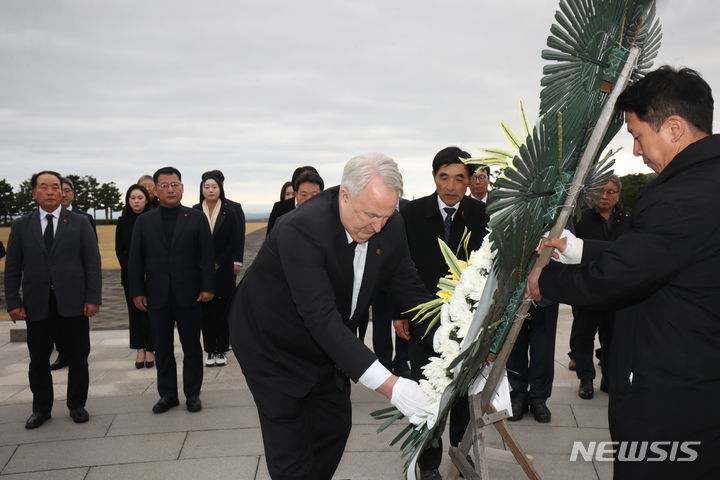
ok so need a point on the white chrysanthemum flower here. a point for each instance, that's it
(442, 336)
(427, 389)
(473, 282)
(445, 314)
(460, 312)
(449, 349)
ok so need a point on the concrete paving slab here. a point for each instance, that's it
(223, 443)
(60, 427)
(93, 452)
(358, 466)
(5, 454)
(568, 395)
(9, 391)
(562, 416)
(593, 416)
(361, 412)
(179, 419)
(65, 474)
(604, 470)
(550, 467)
(14, 412)
(228, 468)
(555, 440)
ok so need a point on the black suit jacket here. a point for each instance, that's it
(424, 226)
(89, 217)
(239, 214)
(279, 209)
(224, 239)
(286, 325)
(72, 266)
(184, 265)
(123, 237)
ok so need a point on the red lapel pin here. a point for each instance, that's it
(377, 252)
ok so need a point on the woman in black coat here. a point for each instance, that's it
(216, 337)
(137, 202)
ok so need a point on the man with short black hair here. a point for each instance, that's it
(443, 215)
(170, 271)
(662, 276)
(53, 255)
(307, 185)
(281, 208)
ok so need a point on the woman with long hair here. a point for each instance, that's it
(137, 202)
(286, 192)
(216, 337)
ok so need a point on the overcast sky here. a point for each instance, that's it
(116, 89)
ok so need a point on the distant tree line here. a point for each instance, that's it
(90, 195)
(632, 185)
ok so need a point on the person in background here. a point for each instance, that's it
(286, 192)
(149, 184)
(479, 182)
(281, 208)
(306, 186)
(239, 214)
(137, 202)
(68, 195)
(224, 234)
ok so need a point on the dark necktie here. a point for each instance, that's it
(348, 256)
(448, 221)
(48, 235)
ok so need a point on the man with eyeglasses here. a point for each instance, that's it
(53, 255)
(605, 221)
(479, 182)
(171, 271)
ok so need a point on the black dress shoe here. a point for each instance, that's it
(139, 365)
(586, 390)
(165, 404)
(36, 419)
(59, 363)
(150, 364)
(541, 412)
(193, 404)
(79, 415)
(519, 407)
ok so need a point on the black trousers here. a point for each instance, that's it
(420, 353)
(383, 313)
(72, 335)
(531, 364)
(215, 330)
(582, 341)
(163, 322)
(304, 438)
(141, 337)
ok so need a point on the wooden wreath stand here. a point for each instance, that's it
(482, 413)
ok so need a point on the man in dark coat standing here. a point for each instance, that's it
(444, 215)
(662, 275)
(53, 255)
(293, 316)
(171, 271)
(284, 206)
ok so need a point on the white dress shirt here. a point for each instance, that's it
(442, 206)
(56, 219)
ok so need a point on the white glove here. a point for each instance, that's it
(573, 252)
(408, 398)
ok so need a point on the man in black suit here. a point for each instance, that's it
(443, 215)
(68, 195)
(294, 314)
(282, 207)
(662, 274)
(239, 215)
(54, 256)
(479, 182)
(171, 270)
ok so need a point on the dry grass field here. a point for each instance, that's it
(106, 239)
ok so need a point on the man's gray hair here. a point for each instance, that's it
(360, 170)
(616, 180)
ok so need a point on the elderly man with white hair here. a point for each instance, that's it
(293, 318)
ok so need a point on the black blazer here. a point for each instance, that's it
(279, 209)
(424, 225)
(286, 325)
(89, 217)
(239, 215)
(123, 237)
(72, 266)
(224, 239)
(185, 264)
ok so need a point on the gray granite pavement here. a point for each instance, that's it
(125, 440)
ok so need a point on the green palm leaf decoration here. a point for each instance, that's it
(588, 46)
